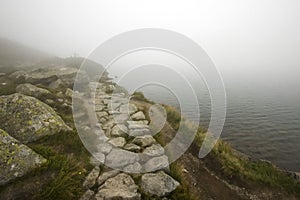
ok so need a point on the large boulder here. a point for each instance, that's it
(31, 90)
(28, 119)
(121, 186)
(158, 184)
(16, 159)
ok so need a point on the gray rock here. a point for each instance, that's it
(117, 142)
(138, 116)
(121, 186)
(91, 178)
(133, 168)
(97, 159)
(139, 132)
(119, 158)
(141, 122)
(31, 90)
(155, 150)
(106, 175)
(144, 141)
(119, 130)
(16, 159)
(128, 108)
(157, 163)
(158, 184)
(120, 118)
(132, 147)
(28, 119)
(104, 148)
(113, 106)
(138, 126)
(87, 195)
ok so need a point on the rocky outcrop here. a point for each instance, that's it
(28, 119)
(53, 76)
(31, 90)
(16, 159)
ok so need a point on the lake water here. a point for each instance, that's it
(262, 124)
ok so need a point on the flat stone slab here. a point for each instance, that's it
(16, 159)
(141, 122)
(139, 132)
(156, 163)
(138, 126)
(119, 158)
(158, 184)
(155, 150)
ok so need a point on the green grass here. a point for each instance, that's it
(182, 192)
(258, 172)
(68, 160)
(139, 96)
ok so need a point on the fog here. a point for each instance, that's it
(256, 42)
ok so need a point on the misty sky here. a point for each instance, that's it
(256, 38)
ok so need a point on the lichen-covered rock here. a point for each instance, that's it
(121, 186)
(31, 90)
(16, 159)
(158, 184)
(28, 119)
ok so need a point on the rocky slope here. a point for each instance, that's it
(31, 117)
(43, 157)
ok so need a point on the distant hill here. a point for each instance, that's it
(15, 54)
(73, 62)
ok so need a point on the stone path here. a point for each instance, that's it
(127, 158)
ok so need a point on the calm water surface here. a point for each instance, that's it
(262, 124)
